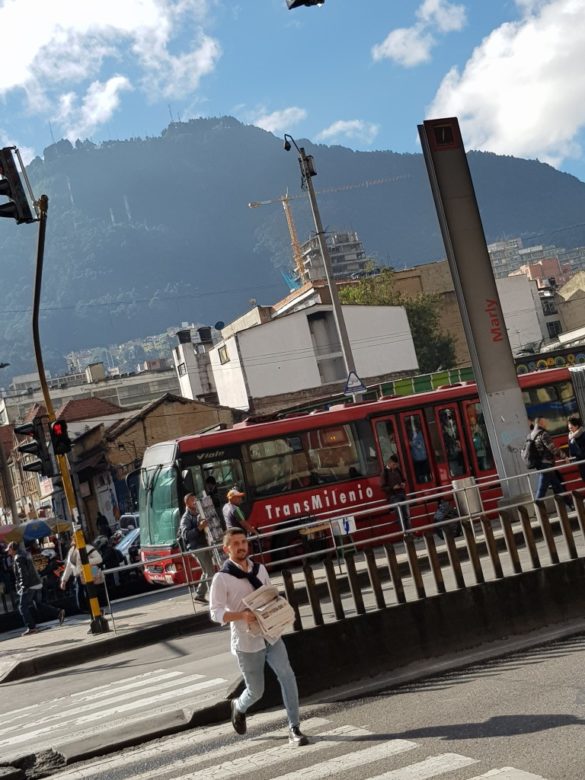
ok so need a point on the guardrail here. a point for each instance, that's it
(351, 575)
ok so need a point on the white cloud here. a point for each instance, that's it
(157, 44)
(410, 46)
(97, 106)
(522, 92)
(280, 121)
(352, 129)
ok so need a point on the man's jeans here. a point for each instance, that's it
(33, 599)
(551, 479)
(252, 667)
(205, 560)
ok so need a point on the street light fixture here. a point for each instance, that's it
(307, 166)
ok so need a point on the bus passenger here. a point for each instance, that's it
(233, 515)
(419, 456)
(394, 485)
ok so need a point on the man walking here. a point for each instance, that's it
(547, 453)
(192, 533)
(394, 485)
(238, 578)
(30, 590)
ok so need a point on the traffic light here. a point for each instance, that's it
(12, 186)
(60, 437)
(38, 447)
(297, 3)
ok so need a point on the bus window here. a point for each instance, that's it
(555, 402)
(387, 439)
(226, 472)
(418, 447)
(451, 437)
(479, 437)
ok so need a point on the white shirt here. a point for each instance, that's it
(226, 595)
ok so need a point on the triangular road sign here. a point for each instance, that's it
(354, 384)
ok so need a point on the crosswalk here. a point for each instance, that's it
(335, 751)
(104, 707)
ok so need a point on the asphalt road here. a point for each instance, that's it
(525, 712)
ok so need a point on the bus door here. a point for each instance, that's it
(418, 452)
(453, 461)
(480, 450)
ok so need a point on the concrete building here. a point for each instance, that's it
(571, 302)
(521, 306)
(345, 250)
(191, 361)
(131, 391)
(296, 354)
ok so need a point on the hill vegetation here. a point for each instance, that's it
(146, 232)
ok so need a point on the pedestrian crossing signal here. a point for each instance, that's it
(60, 437)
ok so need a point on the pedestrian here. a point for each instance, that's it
(102, 525)
(212, 491)
(30, 590)
(394, 485)
(547, 454)
(73, 568)
(233, 515)
(237, 579)
(192, 534)
(577, 442)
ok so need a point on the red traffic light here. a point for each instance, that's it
(60, 437)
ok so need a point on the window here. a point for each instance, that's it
(554, 328)
(451, 437)
(554, 402)
(223, 354)
(182, 368)
(479, 437)
(549, 306)
(418, 447)
(310, 458)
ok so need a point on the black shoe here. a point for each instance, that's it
(238, 719)
(30, 631)
(201, 599)
(296, 737)
(61, 617)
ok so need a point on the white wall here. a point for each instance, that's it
(278, 356)
(519, 310)
(229, 377)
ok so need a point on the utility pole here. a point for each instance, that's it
(14, 184)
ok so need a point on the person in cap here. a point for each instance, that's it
(233, 515)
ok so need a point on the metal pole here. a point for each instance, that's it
(99, 624)
(7, 482)
(335, 302)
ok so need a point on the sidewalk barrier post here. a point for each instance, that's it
(414, 566)
(291, 595)
(312, 594)
(488, 532)
(110, 608)
(453, 554)
(470, 540)
(395, 576)
(506, 520)
(547, 531)
(374, 576)
(333, 587)
(431, 546)
(580, 507)
(566, 527)
(354, 584)
(529, 536)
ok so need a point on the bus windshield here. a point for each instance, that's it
(159, 506)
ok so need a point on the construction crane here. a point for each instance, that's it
(285, 200)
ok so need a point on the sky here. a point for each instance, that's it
(359, 73)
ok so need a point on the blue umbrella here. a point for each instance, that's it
(35, 529)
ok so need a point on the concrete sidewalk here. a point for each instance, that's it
(138, 621)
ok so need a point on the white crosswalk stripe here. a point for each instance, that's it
(104, 706)
(508, 773)
(204, 754)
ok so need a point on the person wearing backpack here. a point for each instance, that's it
(577, 442)
(547, 454)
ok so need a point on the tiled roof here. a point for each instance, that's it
(87, 409)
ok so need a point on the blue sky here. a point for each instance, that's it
(361, 73)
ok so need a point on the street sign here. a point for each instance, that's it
(354, 384)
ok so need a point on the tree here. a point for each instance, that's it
(434, 349)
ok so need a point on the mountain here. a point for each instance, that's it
(145, 232)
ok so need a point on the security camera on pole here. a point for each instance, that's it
(23, 207)
(307, 165)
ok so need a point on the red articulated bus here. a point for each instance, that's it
(328, 464)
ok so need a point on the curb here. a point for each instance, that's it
(85, 651)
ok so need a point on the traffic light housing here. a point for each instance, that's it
(12, 186)
(60, 437)
(38, 447)
(297, 3)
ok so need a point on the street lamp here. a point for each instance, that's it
(297, 3)
(307, 165)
